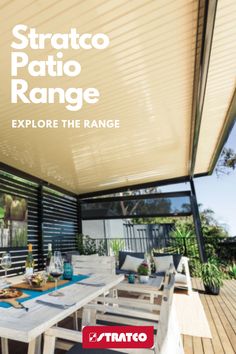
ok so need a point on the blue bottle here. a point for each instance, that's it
(68, 271)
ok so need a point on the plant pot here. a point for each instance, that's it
(212, 290)
(143, 279)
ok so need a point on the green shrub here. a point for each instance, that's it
(195, 267)
(211, 274)
(232, 271)
(87, 246)
(116, 246)
(79, 243)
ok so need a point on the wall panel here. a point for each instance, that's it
(55, 210)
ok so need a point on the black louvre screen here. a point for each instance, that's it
(52, 218)
(161, 204)
(28, 190)
(59, 220)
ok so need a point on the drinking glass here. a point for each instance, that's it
(56, 269)
(6, 263)
(58, 255)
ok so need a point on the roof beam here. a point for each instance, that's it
(24, 175)
(135, 187)
(230, 120)
(204, 36)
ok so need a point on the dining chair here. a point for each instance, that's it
(87, 264)
(94, 264)
(167, 339)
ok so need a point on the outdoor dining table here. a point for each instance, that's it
(28, 326)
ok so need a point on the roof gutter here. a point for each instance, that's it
(205, 33)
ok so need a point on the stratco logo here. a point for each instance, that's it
(118, 336)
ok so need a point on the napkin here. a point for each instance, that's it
(56, 302)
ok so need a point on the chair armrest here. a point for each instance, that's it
(125, 301)
(125, 311)
(185, 265)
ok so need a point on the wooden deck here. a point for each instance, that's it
(221, 314)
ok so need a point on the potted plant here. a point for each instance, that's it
(116, 247)
(232, 271)
(212, 277)
(143, 272)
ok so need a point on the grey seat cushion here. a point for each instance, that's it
(160, 274)
(122, 271)
(123, 254)
(77, 349)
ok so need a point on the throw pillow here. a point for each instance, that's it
(123, 254)
(162, 264)
(176, 258)
(131, 263)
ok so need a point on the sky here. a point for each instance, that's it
(217, 193)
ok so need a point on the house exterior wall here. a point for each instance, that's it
(104, 228)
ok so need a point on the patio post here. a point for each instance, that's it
(79, 216)
(40, 226)
(197, 223)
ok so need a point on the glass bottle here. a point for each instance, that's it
(29, 263)
(49, 256)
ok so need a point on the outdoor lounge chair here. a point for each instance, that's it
(128, 312)
(182, 277)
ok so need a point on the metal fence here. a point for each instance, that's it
(148, 237)
(158, 237)
(187, 247)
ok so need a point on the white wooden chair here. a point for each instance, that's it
(94, 264)
(167, 339)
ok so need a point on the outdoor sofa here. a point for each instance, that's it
(162, 262)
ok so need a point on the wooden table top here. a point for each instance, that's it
(25, 326)
(153, 285)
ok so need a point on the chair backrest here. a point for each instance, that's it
(166, 304)
(93, 264)
(68, 255)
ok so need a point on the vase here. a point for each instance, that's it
(131, 279)
(143, 279)
(68, 271)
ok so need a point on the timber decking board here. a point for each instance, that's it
(221, 314)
